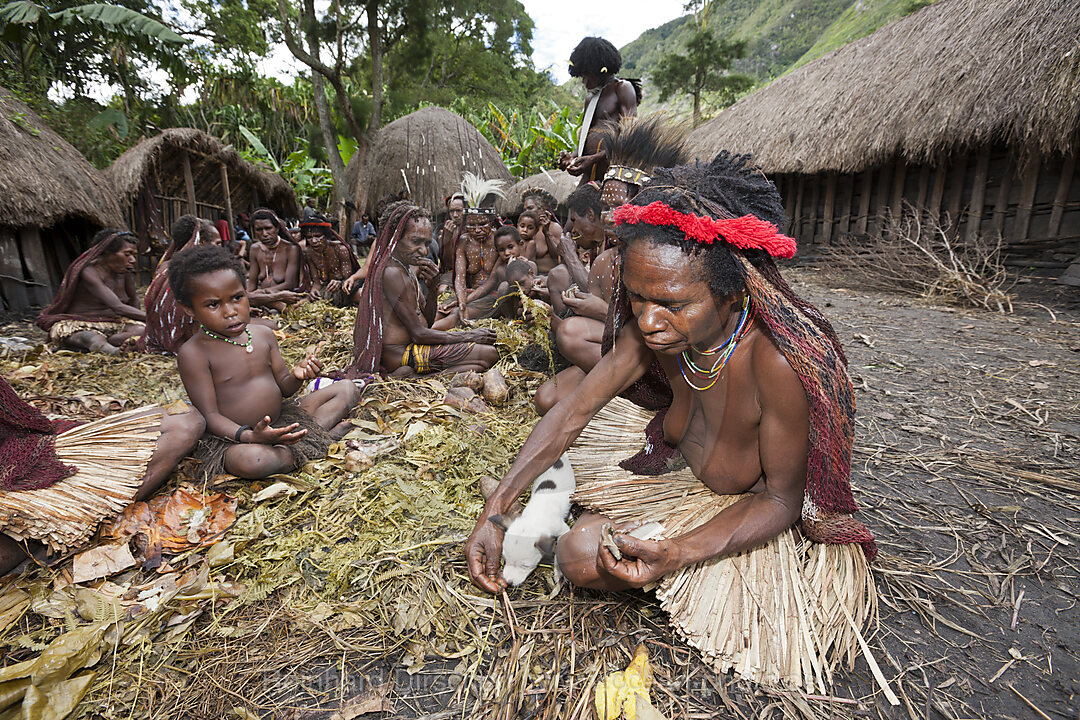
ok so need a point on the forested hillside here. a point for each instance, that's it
(780, 34)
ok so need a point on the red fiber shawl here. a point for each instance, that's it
(368, 330)
(27, 445)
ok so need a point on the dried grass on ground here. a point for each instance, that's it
(345, 592)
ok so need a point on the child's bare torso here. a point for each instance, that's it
(244, 383)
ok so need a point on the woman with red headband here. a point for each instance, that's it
(762, 416)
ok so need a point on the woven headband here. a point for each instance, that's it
(315, 223)
(746, 233)
(630, 175)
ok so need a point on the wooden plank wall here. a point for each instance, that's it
(33, 261)
(1032, 202)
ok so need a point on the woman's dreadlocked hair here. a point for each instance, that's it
(730, 186)
(595, 56)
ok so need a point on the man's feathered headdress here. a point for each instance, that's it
(476, 190)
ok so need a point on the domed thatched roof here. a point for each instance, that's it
(425, 153)
(556, 182)
(43, 179)
(162, 155)
(954, 75)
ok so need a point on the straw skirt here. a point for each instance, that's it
(782, 614)
(111, 455)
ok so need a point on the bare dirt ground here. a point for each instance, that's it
(967, 469)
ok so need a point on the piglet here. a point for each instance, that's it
(531, 537)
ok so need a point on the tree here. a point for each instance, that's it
(79, 44)
(704, 68)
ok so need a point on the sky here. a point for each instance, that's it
(560, 25)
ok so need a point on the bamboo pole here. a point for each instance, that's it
(827, 216)
(1061, 198)
(228, 198)
(864, 201)
(978, 194)
(1029, 183)
(189, 183)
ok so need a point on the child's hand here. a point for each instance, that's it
(264, 434)
(309, 367)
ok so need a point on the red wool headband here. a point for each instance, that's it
(745, 233)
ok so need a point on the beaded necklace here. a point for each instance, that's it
(725, 350)
(246, 345)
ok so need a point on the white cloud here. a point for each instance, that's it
(560, 25)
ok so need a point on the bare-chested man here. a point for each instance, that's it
(451, 232)
(474, 265)
(96, 308)
(595, 61)
(395, 331)
(275, 262)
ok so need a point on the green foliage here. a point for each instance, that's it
(111, 118)
(528, 139)
(704, 68)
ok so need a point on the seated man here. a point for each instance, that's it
(394, 331)
(588, 235)
(96, 308)
(276, 263)
(42, 472)
(451, 233)
(762, 413)
(636, 147)
(234, 374)
(328, 259)
(541, 205)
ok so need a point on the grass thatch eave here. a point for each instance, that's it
(953, 76)
(162, 155)
(43, 179)
(426, 153)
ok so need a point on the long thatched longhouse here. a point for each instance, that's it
(424, 155)
(53, 203)
(183, 170)
(966, 107)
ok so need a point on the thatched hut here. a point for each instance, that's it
(54, 202)
(183, 170)
(556, 182)
(424, 155)
(966, 107)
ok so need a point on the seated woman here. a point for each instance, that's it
(96, 308)
(547, 232)
(328, 259)
(276, 262)
(167, 326)
(762, 414)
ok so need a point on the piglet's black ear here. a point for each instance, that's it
(546, 545)
(499, 521)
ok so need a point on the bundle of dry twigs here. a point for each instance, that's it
(921, 255)
(111, 456)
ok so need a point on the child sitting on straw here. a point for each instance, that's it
(235, 376)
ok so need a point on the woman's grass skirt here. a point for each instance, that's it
(785, 613)
(111, 455)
